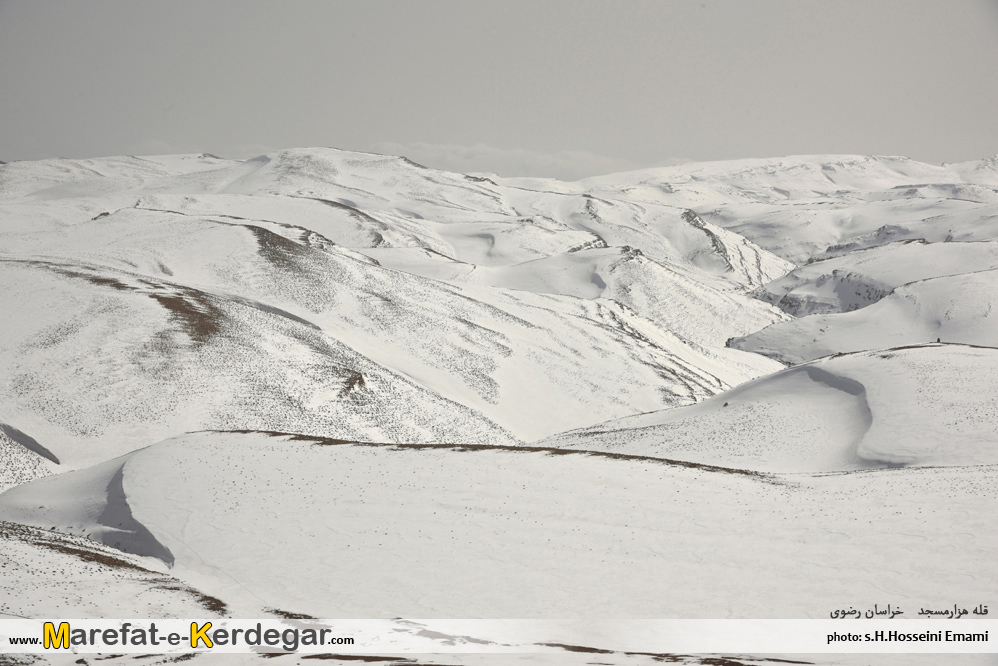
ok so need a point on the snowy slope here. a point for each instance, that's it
(858, 228)
(232, 309)
(859, 278)
(176, 294)
(112, 358)
(798, 207)
(922, 405)
(339, 529)
(959, 308)
(50, 574)
(22, 458)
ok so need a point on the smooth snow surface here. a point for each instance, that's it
(334, 529)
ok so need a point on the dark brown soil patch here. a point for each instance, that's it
(356, 657)
(578, 648)
(209, 602)
(192, 309)
(290, 616)
(551, 451)
(90, 556)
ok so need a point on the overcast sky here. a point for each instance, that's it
(559, 88)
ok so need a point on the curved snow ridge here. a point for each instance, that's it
(27, 442)
(47, 572)
(22, 458)
(932, 404)
(797, 420)
(844, 384)
(124, 532)
(928, 405)
(90, 502)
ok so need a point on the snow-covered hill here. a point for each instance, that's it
(923, 405)
(336, 529)
(164, 295)
(856, 279)
(805, 206)
(959, 308)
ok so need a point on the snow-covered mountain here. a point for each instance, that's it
(325, 292)
(811, 206)
(467, 395)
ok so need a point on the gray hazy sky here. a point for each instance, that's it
(559, 88)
